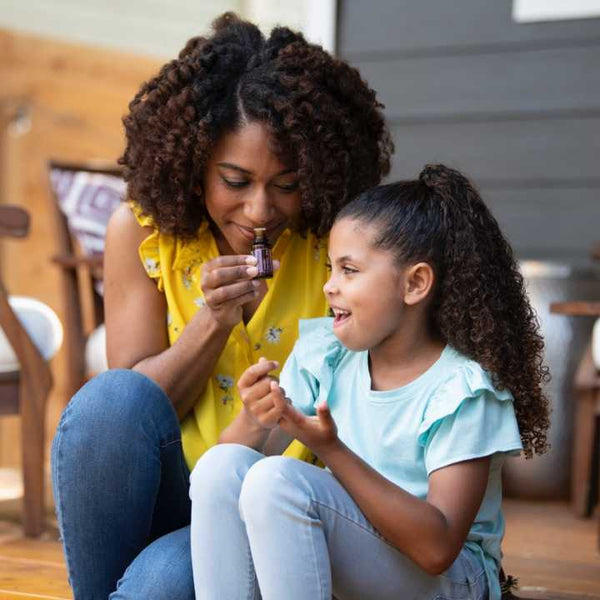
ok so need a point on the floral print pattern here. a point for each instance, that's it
(186, 278)
(176, 267)
(152, 267)
(225, 383)
(273, 335)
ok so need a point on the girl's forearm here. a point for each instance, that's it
(416, 527)
(246, 432)
(184, 369)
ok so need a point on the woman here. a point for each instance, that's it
(238, 132)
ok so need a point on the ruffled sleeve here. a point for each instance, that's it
(468, 418)
(149, 248)
(308, 372)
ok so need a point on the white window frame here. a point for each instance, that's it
(531, 11)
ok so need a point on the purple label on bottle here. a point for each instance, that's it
(264, 262)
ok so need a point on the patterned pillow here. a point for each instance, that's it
(88, 200)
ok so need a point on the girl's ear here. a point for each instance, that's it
(418, 283)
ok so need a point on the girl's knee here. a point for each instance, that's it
(276, 480)
(220, 467)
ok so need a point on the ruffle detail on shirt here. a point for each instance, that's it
(149, 248)
(318, 351)
(191, 253)
(469, 383)
(186, 254)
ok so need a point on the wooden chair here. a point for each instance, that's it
(585, 463)
(24, 389)
(80, 255)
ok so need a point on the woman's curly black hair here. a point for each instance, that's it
(325, 121)
(480, 306)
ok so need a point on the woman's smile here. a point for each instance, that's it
(272, 231)
(246, 186)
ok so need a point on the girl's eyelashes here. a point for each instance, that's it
(344, 268)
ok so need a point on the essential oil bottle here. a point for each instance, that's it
(261, 249)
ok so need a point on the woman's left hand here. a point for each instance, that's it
(317, 433)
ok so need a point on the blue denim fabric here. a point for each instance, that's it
(279, 528)
(121, 492)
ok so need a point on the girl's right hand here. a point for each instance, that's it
(228, 283)
(264, 401)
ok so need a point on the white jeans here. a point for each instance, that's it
(282, 529)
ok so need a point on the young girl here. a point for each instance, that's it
(428, 376)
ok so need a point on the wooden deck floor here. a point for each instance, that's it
(552, 553)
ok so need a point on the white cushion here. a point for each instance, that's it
(42, 325)
(596, 343)
(95, 352)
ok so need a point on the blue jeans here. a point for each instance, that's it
(279, 528)
(121, 492)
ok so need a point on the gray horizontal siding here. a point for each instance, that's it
(506, 153)
(516, 107)
(395, 27)
(510, 82)
(567, 218)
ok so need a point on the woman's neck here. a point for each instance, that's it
(401, 360)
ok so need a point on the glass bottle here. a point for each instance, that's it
(261, 249)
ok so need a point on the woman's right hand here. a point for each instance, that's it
(228, 283)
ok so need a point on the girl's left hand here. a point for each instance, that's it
(317, 433)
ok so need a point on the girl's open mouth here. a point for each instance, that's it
(340, 316)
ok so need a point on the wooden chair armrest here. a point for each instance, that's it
(70, 261)
(587, 376)
(34, 368)
(576, 309)
(14, 221)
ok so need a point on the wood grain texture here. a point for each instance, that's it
(551, 552)
(73, 97)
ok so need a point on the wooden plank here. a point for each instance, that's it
(549, 530)
(412, 27)
(508, 82)
(44, 552)
(75, 97)
(31, 577)
(8, 595)
(551, 552)
(576, 309)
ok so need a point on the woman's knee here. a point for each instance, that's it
(117, 396)
(163, 570)
(220, 468)
(110, 408)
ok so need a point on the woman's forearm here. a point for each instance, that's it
(416, 527)
(184, 369)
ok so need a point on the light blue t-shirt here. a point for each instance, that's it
(450, 413)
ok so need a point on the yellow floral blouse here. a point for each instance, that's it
(294, 293)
